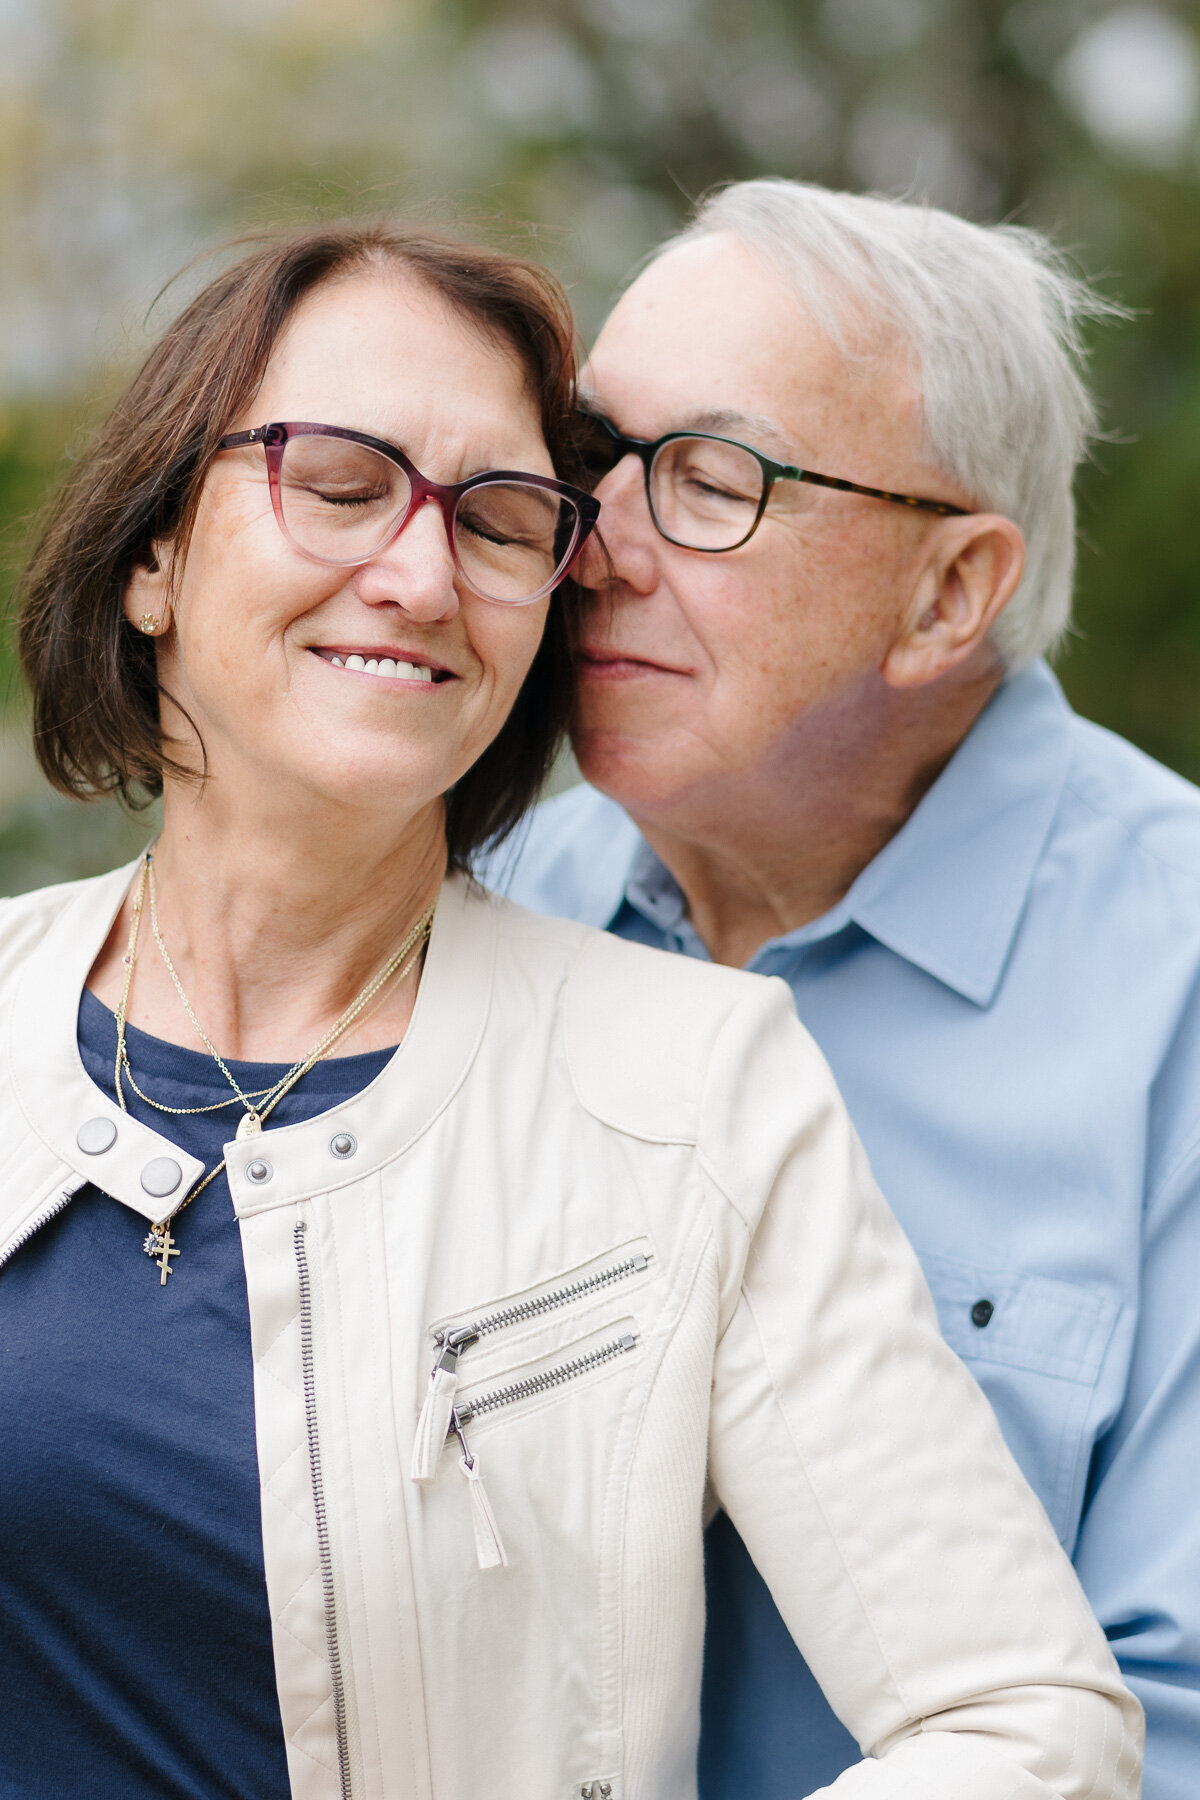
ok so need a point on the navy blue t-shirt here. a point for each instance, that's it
(135, 1642)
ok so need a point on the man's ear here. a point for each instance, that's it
(974, 569)
(146, 601)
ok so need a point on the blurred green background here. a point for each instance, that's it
(137, 133)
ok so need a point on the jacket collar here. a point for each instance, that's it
(59, 1099)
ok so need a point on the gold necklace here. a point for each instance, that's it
(159, 1242)
(123, 1072)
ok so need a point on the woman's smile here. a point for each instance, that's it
(410, 671)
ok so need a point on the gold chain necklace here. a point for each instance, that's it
(159, 1242)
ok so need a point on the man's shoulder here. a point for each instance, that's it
(1148, 816)
(571, 857)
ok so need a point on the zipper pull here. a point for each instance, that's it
(489, 1545)
(433, 1426)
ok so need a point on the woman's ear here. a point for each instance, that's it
(146, 602)
(973, 572)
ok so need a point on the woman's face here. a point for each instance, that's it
(255, 626)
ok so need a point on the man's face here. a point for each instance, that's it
(709, 676)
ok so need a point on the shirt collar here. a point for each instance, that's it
(947, 892)
(650, 886)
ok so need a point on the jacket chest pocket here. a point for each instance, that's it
(519, 1354)
(1036, 1346)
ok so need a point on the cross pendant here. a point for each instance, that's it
(161, 1247)
(168, 1250)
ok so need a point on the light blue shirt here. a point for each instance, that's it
(1009, 996)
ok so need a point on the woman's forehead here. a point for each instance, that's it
(381, 323)
(383, 352)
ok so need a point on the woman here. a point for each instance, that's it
(398, 1489)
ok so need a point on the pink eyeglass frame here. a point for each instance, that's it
(274, 439)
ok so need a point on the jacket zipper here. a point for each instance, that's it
(44, 1217)
(539, 1384)
(434, 1424)
(489, 1546)
(533, 1308)
(318, 1490)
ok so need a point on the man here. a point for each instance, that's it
(821, 742)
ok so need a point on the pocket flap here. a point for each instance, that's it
(1026, 1321)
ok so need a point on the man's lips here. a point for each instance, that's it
(617, 665)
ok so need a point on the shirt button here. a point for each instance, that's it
(161, 1177)
(343, 1145)
(981, 1313)
(259, 1171)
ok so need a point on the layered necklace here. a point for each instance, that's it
(160, 1242)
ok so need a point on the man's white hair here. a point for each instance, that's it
(994, 319)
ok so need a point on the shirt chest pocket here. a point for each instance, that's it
(1036, 1346)
(519, 1354)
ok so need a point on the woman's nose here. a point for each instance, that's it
(416, 571)
(623, 550)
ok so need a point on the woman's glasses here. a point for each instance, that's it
(341, 497)
(709, 493)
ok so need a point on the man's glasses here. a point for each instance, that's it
(341, 497)
(709, 493)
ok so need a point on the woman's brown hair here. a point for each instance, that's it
(95, 690)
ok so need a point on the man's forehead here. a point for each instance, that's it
(709, 337)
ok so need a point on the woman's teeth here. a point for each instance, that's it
(384, 665)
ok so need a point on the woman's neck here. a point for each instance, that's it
(275, 924)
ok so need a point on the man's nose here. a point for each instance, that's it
(624, 547)
(416, 571)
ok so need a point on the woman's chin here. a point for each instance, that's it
(383, 788)
(382, 781)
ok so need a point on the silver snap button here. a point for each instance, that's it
(97, 1136)
(161, 1177)
(259, 1171)
(343, 1145)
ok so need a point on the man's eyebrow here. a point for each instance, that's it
(729, 423)
(755, 428)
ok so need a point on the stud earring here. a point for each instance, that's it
(150, 624)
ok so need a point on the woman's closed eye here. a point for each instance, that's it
(488, 530)
(355, 494)
(509, 517)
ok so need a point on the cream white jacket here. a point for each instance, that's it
(623, 1189)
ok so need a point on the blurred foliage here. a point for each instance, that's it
(46, 838)
(136, 133)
